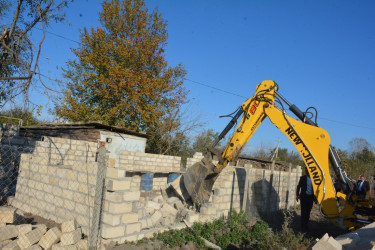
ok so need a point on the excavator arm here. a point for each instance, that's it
(311, 141)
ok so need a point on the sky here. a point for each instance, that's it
(321, 54)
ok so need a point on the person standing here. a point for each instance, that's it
(305, 193)
(362, 187)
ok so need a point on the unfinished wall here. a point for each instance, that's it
(57, 180)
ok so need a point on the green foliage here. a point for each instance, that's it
(236, 230)
(121, 77)
(26, 115)
(288, 156)
(204, 140)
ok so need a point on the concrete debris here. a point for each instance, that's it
(362, 238)
(35, 237)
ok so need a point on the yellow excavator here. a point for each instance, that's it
(311, 141)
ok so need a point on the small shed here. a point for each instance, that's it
(115, 139)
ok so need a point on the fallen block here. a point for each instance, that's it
(60, 247)
(30, 238)
(7, 214)
(167, 210)
(50, 238)
(69, 226)
(82, 245)
(12, 246)
(24, 229)
(156, 218)
(71, 238)
(8, 232)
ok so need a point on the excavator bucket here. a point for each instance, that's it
(196, 184)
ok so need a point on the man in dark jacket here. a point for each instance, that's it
(362, 187)
(305, 193)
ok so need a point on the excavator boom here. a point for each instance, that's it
(311, 141)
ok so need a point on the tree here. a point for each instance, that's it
(121, 77)
(204, 140)
(171, 134)
(19, 57)
(288, 156)
(12, 116)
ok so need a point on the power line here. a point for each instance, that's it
(208, 86)
(215, 88)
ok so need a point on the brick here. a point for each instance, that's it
(152, 204)
(34, 247)
(115, 173)
(7, 214)
(109, 232)
(118, 208)
(69, 226)
(8, 232)
(133, 228)
(132, 196)
(71, 238)
(60, 247)
(114, 196)
(111, 219)
(156, 218)
(29, 239)
(146, 223)
(82, 245)
(129, 218)
(117, 185)
(50, 238)
(11, 246)
(167, 210)
(24, 229)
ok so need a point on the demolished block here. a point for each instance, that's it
(7, 214)
(167, 210)
(50, 238)
(69, 226)
(30, 238)
(24, 229)
(34, 247)
(71, 238)
(60, 247)
(8, 232)
(156, 218)
(82, 245)
(41, 227)
(152, 204)
(146, 223)
(327, 243)
(12, 246)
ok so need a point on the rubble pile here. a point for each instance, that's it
(38, 236)
(362, 238)
(157, 213)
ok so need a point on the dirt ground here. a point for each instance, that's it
(318, 226)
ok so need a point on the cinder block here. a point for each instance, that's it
(156, 218)
(109, 232)
(24, 229)
(34, 247)
(82, 245)
(71, 238)
(11, 246)
(7, 214)
(60, 247)
(115, 173)
(146, 223)
(4, 243)
(152, 204)
(117, 185)
(50, 238)
(117, 208)
(129, 218)
(29, 239)
(168, 210)
(192, 217)
(133, 228)
(8, 232)
(132, 196)
(114, 196)
(111, 219)
(69, 226)
(41, 227)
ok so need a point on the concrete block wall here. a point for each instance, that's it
(252, 190)
(57, 180)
